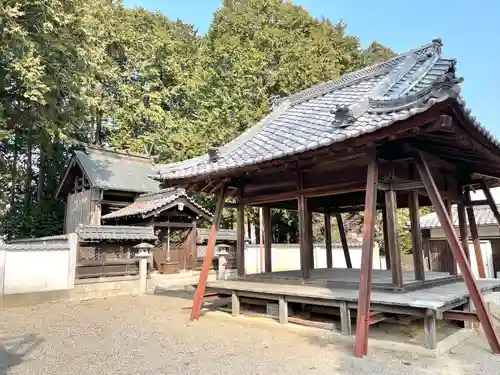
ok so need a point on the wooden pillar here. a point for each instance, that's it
(362, 322)
(240, 239)
(328, 240)
(268, 239)
(345, 319)
(474, 235)
(458, 252)
(491, 201)
(386, 240)
(303, 241)
(426, 245)
(392, 238)
(430, 340)
(235, 304)
(462, 226)
(310, 238)
(283, 310)
(345, 246)
(452, 265)
(416, 236)
(207, 260)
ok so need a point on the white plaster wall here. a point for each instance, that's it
(38, 265)
(287, 257)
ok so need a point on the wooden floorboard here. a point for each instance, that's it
(433, 297)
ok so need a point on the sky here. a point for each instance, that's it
(470, 31)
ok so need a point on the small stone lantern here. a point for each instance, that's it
(143, 254)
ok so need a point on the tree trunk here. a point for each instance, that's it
(98, 128)
(13, 174)
(29, 166)
(41, 174)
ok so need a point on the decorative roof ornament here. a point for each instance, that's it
(448, 84)
(343, 116)
(274, 101)
(213, 154)
(438, 45)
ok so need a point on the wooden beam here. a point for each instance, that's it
(416, 236)
(392, 237)
(462, 226)
(240, 240)
(481, 202)
(362, 325)
(268, 239)
(328, 240)
(207, 260)
(474, 235)
(430, 339)
(386, 240)
(458, 253)
(343, 239)
(171, 224)
(490, 200)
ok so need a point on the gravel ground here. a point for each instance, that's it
(152, 335)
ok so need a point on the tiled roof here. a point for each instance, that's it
(222, 235)
(149, 204)
(355, 104)
(115, 232)
(114, 170)
(483, 215)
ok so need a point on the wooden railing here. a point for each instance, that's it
(98, 268)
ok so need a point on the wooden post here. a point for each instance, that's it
(474, 235)
(282, 310)
(491, 201)
(452, 265)
(310, 238)
(430, 340)
(386, 240)
(328, 240)
(240, 240)
(392, 237)
(458, 252)
(209, 253)
(345, 246)
(345, 319)
(305, 271)
(268, 236)
(362, 324)
(462, 226)
(303, 240)
(235, 304)
(416, 236)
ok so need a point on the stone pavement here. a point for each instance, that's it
(152, 335)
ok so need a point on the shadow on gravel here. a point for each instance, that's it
(186, 294)
(14, 350)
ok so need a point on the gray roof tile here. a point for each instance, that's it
(112, 170)
(91, 233)
(377, 96)
(147, 204)
(483, 215)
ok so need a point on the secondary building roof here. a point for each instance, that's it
(115, 170)
(151, 204)
(98, 233)
(355, 104)
(483, 215)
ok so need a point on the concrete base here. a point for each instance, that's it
(84, 290)
(159, 283)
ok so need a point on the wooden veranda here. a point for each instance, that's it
(393, 135)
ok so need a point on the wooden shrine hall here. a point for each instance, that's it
(396, 134)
